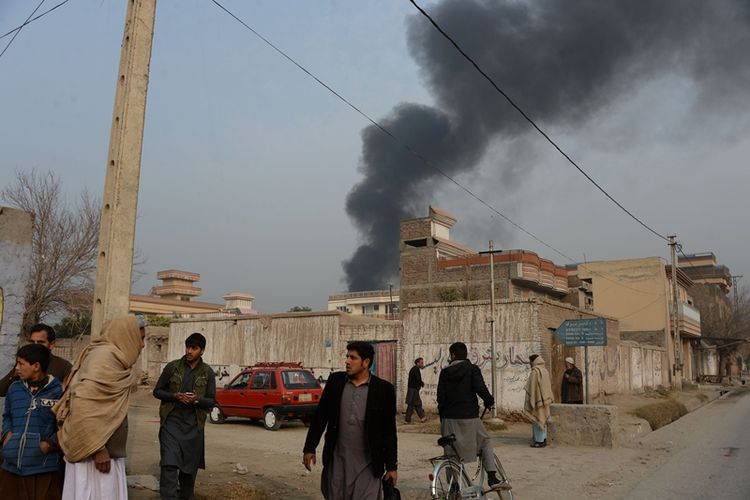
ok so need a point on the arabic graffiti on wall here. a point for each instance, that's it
(511, 362)
(225, 373)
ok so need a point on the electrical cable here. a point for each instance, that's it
(532, 122)
(19, 29)
(29, 21)
(387, 132)
(661, 296)
(411, 150)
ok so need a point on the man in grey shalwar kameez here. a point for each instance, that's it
(187, 390)
(358, 410)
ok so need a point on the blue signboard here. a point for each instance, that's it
(583, 332)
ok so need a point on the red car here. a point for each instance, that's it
(271, 392)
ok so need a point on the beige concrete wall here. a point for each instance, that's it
(634, 290)
(642, 367)
(149, 364)
(317, 340)
(523, 328)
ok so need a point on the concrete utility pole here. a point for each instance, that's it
(675, 315)
(493, 335)
(119, 204)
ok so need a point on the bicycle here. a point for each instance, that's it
(451, 481)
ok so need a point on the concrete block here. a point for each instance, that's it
(584, 425)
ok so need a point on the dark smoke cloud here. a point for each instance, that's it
(562, 61)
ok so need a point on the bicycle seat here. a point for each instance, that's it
(447, 440)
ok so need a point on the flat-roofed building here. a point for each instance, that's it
(436, 269)
(373, 303)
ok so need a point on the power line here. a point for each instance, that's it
(387, 132)
(411, 150)
(29, 21)
(19, 29)
(642, 308)
(533, 124)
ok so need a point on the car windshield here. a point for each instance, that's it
(299, 379)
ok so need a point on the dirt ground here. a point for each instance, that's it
(274, 469)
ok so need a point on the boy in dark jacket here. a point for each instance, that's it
(29, 444)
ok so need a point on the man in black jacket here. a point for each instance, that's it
(358, 412)
(413, 401)
(459, 384)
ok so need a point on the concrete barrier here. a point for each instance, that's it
(584, 425)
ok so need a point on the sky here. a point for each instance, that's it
(248, 164)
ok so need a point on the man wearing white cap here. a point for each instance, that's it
(572, 384)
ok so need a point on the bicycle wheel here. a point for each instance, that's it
(501, 475)
(449, 478)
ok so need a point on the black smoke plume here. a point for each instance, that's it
(561, 60)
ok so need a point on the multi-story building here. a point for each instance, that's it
(436, 269)
(373, 303)
(175, 297)
(711, 286)
(637, 292)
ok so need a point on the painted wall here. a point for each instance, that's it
(16, 229)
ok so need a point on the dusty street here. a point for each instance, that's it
(273, 459)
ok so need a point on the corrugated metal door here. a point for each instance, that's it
(385, 356)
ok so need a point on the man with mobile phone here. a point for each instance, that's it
(187, 390)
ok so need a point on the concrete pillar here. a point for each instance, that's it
(16, 227)
(120, 200)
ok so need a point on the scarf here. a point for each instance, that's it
(95, 398)
(538, 393)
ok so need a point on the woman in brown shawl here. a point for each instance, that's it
(92, 412)
(538, 400)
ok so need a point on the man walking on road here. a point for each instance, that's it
(187, 390)
(572, 384)
(413, 401)
(459, 384)
(58, 367)
(358, 412)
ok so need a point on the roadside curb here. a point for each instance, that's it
(633, 428)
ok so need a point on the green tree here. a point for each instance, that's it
(300, 309)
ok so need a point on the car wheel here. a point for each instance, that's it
(271, 419)
(216, 416)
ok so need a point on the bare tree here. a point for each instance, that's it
(64, 244)
(739, 321)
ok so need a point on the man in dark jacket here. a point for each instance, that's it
(413, 401)
(572, 383)
(459, 384)
(58, 367)
(358, 412)
(187, 390)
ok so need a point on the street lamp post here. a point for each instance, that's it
(493, 335)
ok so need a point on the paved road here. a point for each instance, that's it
(710, 455)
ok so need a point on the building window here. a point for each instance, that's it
(416, 243)
(376, 307)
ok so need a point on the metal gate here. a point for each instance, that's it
(384, 365)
